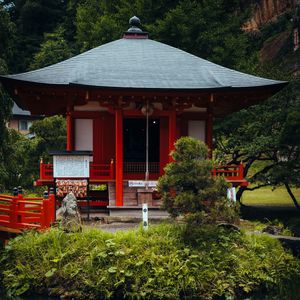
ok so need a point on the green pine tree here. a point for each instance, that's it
(188, 188)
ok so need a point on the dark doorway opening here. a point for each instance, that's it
(134, 137)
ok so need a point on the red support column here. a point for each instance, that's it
(209, 127)
(172, 132)
(69, 120)
(119, 156)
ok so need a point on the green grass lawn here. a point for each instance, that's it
(267, 196)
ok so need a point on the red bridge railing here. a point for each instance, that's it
(18, 212)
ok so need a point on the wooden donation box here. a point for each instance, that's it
(71, 171)
(144, 193)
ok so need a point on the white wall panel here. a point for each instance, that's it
(84, 134)
(196, 129)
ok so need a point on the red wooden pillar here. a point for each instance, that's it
(209, 127)
(69, 120)
(172, 132)
(119, 156)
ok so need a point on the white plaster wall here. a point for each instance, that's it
(84, 134)
(196, 129)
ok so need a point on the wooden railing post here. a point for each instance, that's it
(111, 170)
(241, 171)
(214, 172)
(52, 208)
(13, 210)
(20, 206)
(45, 211)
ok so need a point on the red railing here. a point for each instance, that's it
(140, 167)
(136, 170)
(18, 212)
(102, 171)
(97, 171)
(46, 171)
(230, 172)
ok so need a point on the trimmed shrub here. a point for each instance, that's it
(188, 187)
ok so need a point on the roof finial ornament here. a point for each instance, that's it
(134, 22)
(135, 31)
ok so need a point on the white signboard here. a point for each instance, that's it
(141, 183)
(71, 166)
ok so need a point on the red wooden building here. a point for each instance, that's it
(107, 94)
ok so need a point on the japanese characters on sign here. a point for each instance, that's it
(71, 166)
(141, 183)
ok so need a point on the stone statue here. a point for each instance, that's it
(69, 214)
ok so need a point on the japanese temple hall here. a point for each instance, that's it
(126, 102)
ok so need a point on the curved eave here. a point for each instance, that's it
(279, 85)
(243, 96)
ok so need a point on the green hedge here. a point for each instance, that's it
(166, 262)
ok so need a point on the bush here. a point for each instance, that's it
(188, 187)
(157, 264)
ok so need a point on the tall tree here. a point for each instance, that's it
(54, 49)
(96, 24)
(264, 138)
(49, 134)
(7, 38)
(33, 18)
(210, 29)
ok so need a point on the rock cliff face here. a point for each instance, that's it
(268, 11)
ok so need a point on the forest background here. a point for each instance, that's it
(265, 137)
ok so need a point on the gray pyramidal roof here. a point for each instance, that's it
(141, 64)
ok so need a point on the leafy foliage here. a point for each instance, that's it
(209, 29)
(5, 146)
(187, 187)
(32, 18)
(272, 142)
(154, 264)
(54, 49)
(96, 24)
(50, 135)
(7, 38)
(22, 155)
